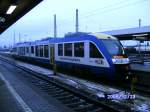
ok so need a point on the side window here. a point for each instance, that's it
(15, 50)
(27, 49)
(23, 50)
(41, 50)
(32, 49)
(79, 49)
(36, 49)
(46, 51)
(68, 49)
(20, 50)
(94, 52)
(60, 49)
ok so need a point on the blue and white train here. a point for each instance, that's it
(94, 53)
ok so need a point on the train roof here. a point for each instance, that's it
(103, 36)
(98, 35)
(22, 44)
(68, 38)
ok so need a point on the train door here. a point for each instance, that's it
(52, 54)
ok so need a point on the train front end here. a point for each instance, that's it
(119, 59)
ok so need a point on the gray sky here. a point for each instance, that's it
(94, 16)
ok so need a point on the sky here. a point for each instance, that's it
(94, 16)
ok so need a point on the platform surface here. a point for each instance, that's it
(7, 101)
(17, 95)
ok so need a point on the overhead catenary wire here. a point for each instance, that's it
(106, 9)
(115, 8)
(99, 9)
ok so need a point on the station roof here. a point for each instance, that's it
(127, 34)
(23, 6)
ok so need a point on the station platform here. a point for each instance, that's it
(7, 102)
(17, 95)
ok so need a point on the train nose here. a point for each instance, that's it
(122, 71)
(122, 68)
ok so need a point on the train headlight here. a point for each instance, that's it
(120, 60)
(114, 61)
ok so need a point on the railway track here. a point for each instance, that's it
(140, 88)
(73, 98)
(70, 93)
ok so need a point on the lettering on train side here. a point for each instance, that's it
(71, 59)
(99, 62)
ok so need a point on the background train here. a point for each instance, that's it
(93, 53)
(136, 46)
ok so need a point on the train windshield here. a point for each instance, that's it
(114, 47)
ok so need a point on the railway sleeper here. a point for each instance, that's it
(57, 90)
(70, 97)
(84, 107)
(64, 93)
(59, 96)
(76, 103)
(52, 87)
(69, 100)
(99, 109)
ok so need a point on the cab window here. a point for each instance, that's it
(94, 52)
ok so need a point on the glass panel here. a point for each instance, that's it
(36, 49)
(68, 49)
(114, 47)
(60, 49)
(94, 52)
(41, 50)
(46, 51)
(79, 49)
(27, 49)
(32, 49)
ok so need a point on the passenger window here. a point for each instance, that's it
(60, 49)
(79, 49)
(23, 51)
(15, 50)
(68, 49)
(27, 49)
(41, 50)
(32, 49)
(36, 49)
(46, 51)
(20, 50)
(94, 52)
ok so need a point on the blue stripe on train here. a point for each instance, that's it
(100, 71)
